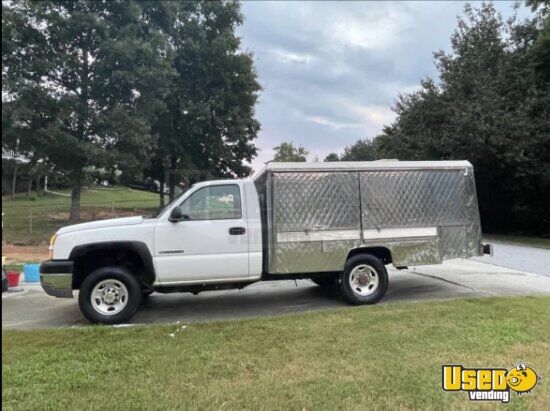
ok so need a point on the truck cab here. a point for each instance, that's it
(209, 235)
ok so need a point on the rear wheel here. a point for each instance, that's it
(109, 295)
(364, 280)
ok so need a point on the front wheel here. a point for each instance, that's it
(364, 280)
(109, 295)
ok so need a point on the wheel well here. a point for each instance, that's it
(382, 253)
(88, 261)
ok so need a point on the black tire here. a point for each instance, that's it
(120, 274)
(352, 295)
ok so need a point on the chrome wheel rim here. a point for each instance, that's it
(363, 280)
(109, 297)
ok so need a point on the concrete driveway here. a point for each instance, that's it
(453, 279)
(518, 257)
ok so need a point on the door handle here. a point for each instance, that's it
(237, 231)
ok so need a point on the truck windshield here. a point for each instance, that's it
(167, 206)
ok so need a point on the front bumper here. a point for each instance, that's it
(56, 278)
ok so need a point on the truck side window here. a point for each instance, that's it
(220, 202)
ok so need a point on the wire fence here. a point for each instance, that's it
(34, 224)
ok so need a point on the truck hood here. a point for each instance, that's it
(113, 222)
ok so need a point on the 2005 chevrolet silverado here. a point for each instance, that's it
(337, 224)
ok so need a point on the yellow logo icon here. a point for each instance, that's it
(522, 378)
(489, 384)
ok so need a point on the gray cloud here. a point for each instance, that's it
(332, 70)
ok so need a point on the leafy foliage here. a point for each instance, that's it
(491, 107)
(208, 127)
(129, 85)
(83, 81)
(362, 150)
(332, 157)
(288, 152)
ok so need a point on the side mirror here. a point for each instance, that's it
(177, 215)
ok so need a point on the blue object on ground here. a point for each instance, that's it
(31, 272)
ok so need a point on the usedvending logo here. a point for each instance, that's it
(489, 384)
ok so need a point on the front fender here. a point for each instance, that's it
(138, 247)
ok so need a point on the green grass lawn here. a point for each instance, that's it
(50, 212)
(521, 240)
(386, 356)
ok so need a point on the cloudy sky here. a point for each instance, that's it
(332, 70)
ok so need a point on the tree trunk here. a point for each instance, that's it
(38, 178)
(172, 178)
(29, 188)
(161, 193)
(13, 181)
(75, 201)
(81, 131)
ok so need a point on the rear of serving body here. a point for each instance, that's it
(314, 215)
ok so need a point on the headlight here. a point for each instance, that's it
(52, 242)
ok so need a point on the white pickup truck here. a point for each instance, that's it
(337, 224)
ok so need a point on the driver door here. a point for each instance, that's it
(210, 244)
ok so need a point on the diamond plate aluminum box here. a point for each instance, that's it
(314, 214)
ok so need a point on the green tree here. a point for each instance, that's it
(288, 152)
(539, 52)
(84, 80)
(491, 107)
(209, 126)
(535, 4)
(331, 157)
(361, 150)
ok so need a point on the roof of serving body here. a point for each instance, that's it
(364, 165)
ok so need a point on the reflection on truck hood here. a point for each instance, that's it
(113, 222)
